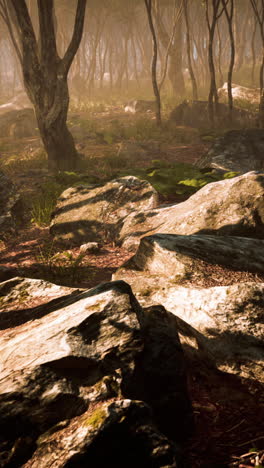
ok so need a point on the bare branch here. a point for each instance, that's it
(76, 37)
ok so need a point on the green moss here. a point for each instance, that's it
(96, 419)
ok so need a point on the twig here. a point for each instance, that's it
(234, 427)
(252, 440)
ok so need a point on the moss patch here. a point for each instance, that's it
(96, 419)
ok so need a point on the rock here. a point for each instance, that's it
(96, 215)
(183, 257)
(90, 247)
(63, 369)
(10, 206)
(240, 93)
(225, 324)
(124, 428)
(228, 207)
(238, 150)
(195, 114)
(20, 296)
(18, 123)
(140, 106)
(19, 102)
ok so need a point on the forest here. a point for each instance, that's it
(131, 233)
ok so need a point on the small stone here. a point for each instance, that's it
(90, 247)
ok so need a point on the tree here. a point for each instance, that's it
(173, 45)
(148, 4)
(258, 8)
(229, 13)
(45, 73)
(211, 20)
(189, 52)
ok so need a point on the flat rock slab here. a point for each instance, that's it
(84, 215)
(228, 207)
(178, 257)
(238, 151)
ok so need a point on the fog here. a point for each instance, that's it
(115, 54)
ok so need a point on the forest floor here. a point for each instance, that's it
(228, 420)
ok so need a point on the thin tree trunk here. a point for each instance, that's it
(229, 17)
(189, 53)
(148, 4)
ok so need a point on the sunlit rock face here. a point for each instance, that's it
(238, 150)
(86, 214)
(18, 123)
(90, 370)
(240, 93)
(222, 324)
(179, 257)
(229, 321)
(10, 206)
(195, 114)
(228, 207)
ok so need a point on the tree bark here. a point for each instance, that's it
(148, 4)
(189, 53)
(229, 17)
(213, 95)
(174, 49)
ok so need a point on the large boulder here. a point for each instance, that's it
(71, 372)
(240, 93)
(225, 322)
(228, 207)
(10, 206)
(18, 123)
(86, 214)
(237, 150)
(195, 114)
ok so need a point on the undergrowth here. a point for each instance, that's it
(62, 266)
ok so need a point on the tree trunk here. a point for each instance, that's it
(175, 64)
(229, 17)
(148, 4)
(189, 53)
(174, 50)
(58, 141)
(45, 78)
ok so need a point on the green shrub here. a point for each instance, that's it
(181, 178)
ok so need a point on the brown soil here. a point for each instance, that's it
(228, 411)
